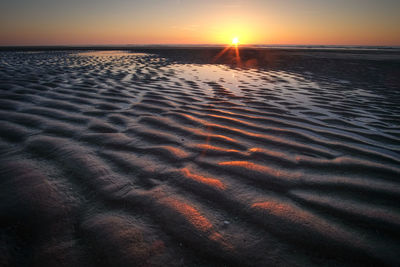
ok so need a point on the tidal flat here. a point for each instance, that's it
(190, 157)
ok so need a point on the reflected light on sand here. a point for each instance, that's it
(251, 166)
(289, 212)
(215, 148)
(277, 209)
(199, 222)
(202, 179)
(191, 215)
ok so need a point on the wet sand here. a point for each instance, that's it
(181, 157)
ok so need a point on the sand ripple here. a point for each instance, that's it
(117, 159)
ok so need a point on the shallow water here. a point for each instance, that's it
(113, 158)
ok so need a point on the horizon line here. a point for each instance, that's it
(201, 45)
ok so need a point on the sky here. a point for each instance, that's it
(290, 22)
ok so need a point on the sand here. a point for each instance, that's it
(159, 158)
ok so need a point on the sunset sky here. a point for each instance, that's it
(87, 22)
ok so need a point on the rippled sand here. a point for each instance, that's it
(132, 159)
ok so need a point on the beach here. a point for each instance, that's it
(188, 156)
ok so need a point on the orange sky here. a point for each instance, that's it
(73, 22)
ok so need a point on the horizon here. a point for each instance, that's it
(172, 45)
(178, 22)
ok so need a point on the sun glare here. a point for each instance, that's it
(235, 41)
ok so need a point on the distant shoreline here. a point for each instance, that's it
(315, 48)
(353, 64)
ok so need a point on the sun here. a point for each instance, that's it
(235, 41)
